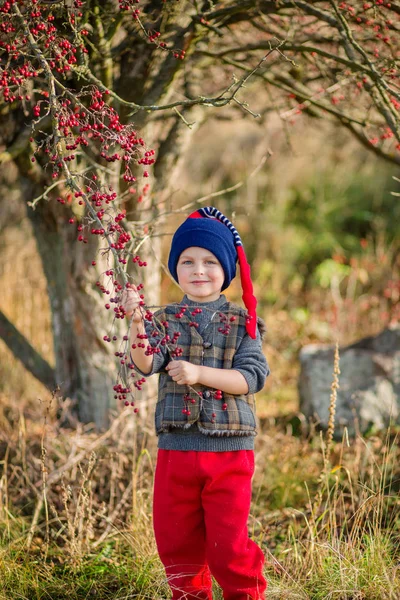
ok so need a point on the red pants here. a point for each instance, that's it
(201, 506)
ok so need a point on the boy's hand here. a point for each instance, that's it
(183, 372)
(130, 300)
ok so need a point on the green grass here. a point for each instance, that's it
(111, 573)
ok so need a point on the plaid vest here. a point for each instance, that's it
(181, 405)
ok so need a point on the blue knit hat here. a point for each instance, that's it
(210, 234)
(208, 228)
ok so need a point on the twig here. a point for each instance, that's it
(329, 434)
(383, 105)
(56, 475)
(217, 101)
(42, 501)
(110, 520)
(180, 115)
(33, 203)
(307, 96)
(193, 203)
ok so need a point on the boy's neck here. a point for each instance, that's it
(218, 302)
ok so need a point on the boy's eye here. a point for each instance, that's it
(190, 262)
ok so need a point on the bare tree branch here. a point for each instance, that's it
(388, 156)
(24, 351)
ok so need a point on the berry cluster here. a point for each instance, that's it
(122, 393)
(151, 35)
(226, 323)
(219, 396)
(188, 399)
(181, 312)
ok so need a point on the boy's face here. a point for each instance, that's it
(200, 274)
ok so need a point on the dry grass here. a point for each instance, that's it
(75, 512)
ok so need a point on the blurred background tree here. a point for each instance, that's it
(251, 106)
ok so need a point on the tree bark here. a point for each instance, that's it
(85, 369)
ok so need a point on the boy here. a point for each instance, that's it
(209, 355)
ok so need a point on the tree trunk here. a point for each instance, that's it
(85, 367)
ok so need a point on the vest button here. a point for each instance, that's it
(207, 394)
(207, 345)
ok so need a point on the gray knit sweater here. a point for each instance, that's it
(248, 360)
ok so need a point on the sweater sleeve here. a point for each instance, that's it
(250, 361)
(159, 363)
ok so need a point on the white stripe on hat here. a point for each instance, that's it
(213, 213)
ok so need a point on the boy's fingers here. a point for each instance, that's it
(130, 300)
(174, 372)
